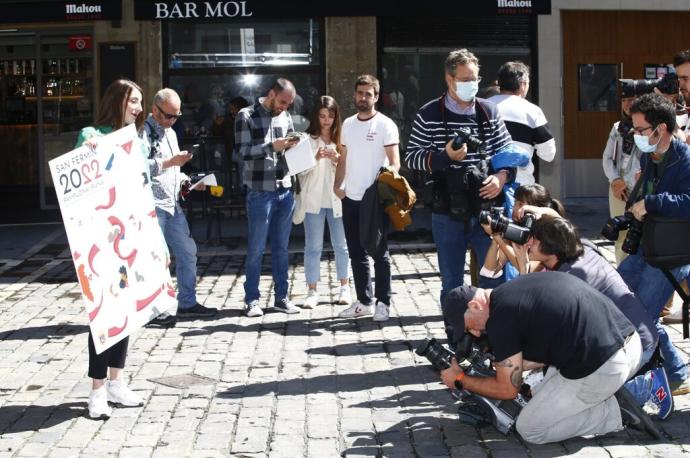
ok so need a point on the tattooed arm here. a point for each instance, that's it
(505, 385)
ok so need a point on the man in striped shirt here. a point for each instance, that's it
(430, 149)
(525, 121)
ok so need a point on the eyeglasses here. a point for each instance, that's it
(167, 115)
(478, 80)
(641, 130)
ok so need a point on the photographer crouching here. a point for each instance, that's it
(453, 137)
(557, 320)
(662, 189)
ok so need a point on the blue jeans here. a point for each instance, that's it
(653, 289)
(179, 239)
(269, 215)
(313, 244)
(452, 242)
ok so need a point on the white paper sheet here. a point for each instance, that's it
(300, 157)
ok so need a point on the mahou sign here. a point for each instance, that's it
(58, 11)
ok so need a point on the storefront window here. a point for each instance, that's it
(213, 66)
(597, 87)
(213, 45)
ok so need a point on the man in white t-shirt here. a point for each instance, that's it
(369, 141)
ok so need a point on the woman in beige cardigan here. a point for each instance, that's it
(319, 204)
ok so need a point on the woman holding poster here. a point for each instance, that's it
(317, 203)
(121, 105)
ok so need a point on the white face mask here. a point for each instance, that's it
(642, 143)
(681, 121)
(466, 90)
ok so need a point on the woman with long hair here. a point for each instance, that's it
(121, 105)
(320, 204)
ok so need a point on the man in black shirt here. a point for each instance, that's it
(549, 319)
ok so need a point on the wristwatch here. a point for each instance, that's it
(458, 380)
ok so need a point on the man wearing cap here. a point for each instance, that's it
(550, 319)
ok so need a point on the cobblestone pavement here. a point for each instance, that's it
(306, 385)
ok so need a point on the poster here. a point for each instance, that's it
(117, 247)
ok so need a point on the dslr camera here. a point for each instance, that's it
(625, 221)
(464, 135)
(509, 230)
(474, 408)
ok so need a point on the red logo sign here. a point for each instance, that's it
(80, 43)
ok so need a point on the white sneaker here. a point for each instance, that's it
(355, 310)
(98, 404)
(381, 313)
(120, 394)
(344, 297)
(312, 299)
(252, 309)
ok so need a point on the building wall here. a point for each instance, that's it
(577, 177)
(350, 51)
(147, 36)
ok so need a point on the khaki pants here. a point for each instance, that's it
(563, 408)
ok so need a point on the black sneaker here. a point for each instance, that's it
(164, 320)
(633, 416)
(198, 311)
(284, 305)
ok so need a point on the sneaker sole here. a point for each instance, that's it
(100, 417)
(253, 315)
(124, 406)
(287, 312)
(379, 319)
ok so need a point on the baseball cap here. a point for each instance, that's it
(454, 307)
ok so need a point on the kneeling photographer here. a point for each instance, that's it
(663, 189)
(507, 254)
(557, 320)
(556, 244)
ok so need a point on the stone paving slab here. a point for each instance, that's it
(305, 385)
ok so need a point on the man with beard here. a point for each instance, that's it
(369, 141)
(260, 138)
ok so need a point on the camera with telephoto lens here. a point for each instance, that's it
(476, 409)
(438, 355)
(625, 221)
(509, 230)
(668, 84)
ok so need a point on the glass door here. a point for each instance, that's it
(64, 103)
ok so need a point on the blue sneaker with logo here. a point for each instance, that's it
(661, 392)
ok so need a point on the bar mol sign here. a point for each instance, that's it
(188, 10)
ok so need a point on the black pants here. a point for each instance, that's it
(112, 357)
(360, 260)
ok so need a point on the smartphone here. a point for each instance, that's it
(194, 149)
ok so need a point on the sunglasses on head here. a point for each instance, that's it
(167, 115)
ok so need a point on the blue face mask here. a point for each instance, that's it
(642, 143)
(466, 90)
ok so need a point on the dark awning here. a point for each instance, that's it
(14, 11)
(259, 9)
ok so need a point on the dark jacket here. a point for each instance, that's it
(671, 197)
